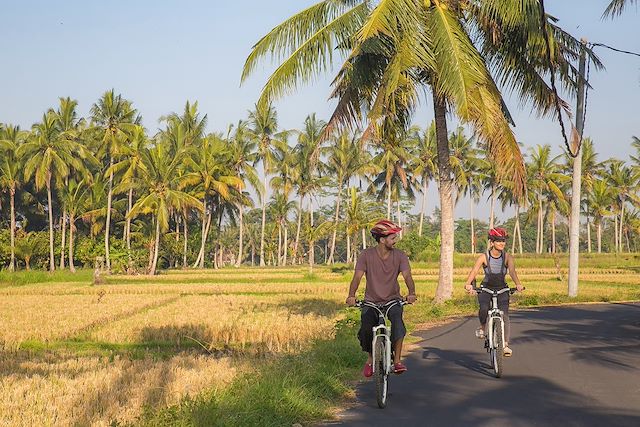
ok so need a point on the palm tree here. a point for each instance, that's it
(395, 49)
(600, 199)
(361, 213)
(115, 118)
(243, 156)
(343, 161)
(625, 181)
(162, 186)
(11, 175)
(616, 7)
(425, 165)
(48, 158)
(263, 127)
(307, 153)
(75, 198)
(69, 128)
(546, 177)
(210, 169)
(281, 207)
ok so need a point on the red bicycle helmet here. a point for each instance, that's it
(384, 228)
(499, 234)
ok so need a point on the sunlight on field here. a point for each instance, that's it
(76, 354)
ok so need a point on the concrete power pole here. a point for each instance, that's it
(574, 221)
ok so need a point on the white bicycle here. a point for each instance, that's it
(381, 348)
(494, 334)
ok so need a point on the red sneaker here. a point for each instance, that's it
(367, 371)
(399, 368)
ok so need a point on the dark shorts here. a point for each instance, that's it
(369, 319)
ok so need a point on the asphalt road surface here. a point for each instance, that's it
(571, 366)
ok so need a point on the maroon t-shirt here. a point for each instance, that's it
(382, 275)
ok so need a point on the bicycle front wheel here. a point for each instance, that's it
(380, 373)
(497, 349)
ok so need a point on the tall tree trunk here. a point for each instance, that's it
(348, 247)
(621, 226)
(107, 226)
(156, 247)
(297, 243)
(492, 214)
(63, 239)
(615, 232)
(264, 218)
(473, 231)
(185, 231)
(444, 290)
(52, 261)
(388, 200)
(286, 243)
(588, 235)
(279, 262)
(240, 237)
(553, 232)
(12, 194)
(423, 205)
(72, 221)
(399, 213)
(127, 226)
(312, 256)
(311, 210)
(599, 236)
(364, 239)
(335, 226)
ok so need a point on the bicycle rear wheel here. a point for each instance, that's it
(497, 350)
(379, 366)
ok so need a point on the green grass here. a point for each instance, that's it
(283, 391)
(21, 278)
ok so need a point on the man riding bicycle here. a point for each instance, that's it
(381, 265)
(496, 262)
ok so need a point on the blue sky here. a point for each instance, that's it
(161, 53)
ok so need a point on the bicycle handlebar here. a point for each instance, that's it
(361, 304)
(496, 292)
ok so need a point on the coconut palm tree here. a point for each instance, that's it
(600, 199)
(243, 156)
(75, 198)
(546, 177)
(343, 161)
(424, 165)
(11, 175)
(616, 7)
(263, 126)
(625, 180)
(210, 169)
(163, 193)
(114, 118)
(49, 158)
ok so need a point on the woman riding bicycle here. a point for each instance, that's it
(382, 264)
(496, 262)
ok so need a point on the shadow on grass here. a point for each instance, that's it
(285, 390)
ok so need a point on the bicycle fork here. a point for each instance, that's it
(381, 332)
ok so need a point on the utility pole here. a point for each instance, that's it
(574, 222)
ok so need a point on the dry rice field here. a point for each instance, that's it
(77, 354)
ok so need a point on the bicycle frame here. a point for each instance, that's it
(494, 315)
(381, 331)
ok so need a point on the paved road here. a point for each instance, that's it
(572, 366)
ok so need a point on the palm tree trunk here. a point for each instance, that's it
(519, 230)
(364, 239)
(423, 205)
(399, 216)
(264, 218)
(388, 199)
(311, 210)
(541, 230)
(279, 262)
(185, 231)
(295, 246)
(312, 256)
(348, 247)
(108, 221)
(588, 235)
(156, 246)
(12, 262)
(127, 226)
(286, 243)
(615, 232)
(620, 230)
(553, 232)
(473, 231)
(444, 290)
(492, 207)
(599, 236)
(335, 227)
(240, 237)
(63, 239)
(52, 261)
(72, 267)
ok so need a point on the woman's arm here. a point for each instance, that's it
(511, 266)
(474, 271)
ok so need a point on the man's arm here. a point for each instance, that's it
(353, 287)
(408, 280)
(511, 266)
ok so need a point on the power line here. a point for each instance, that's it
(617, 50)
